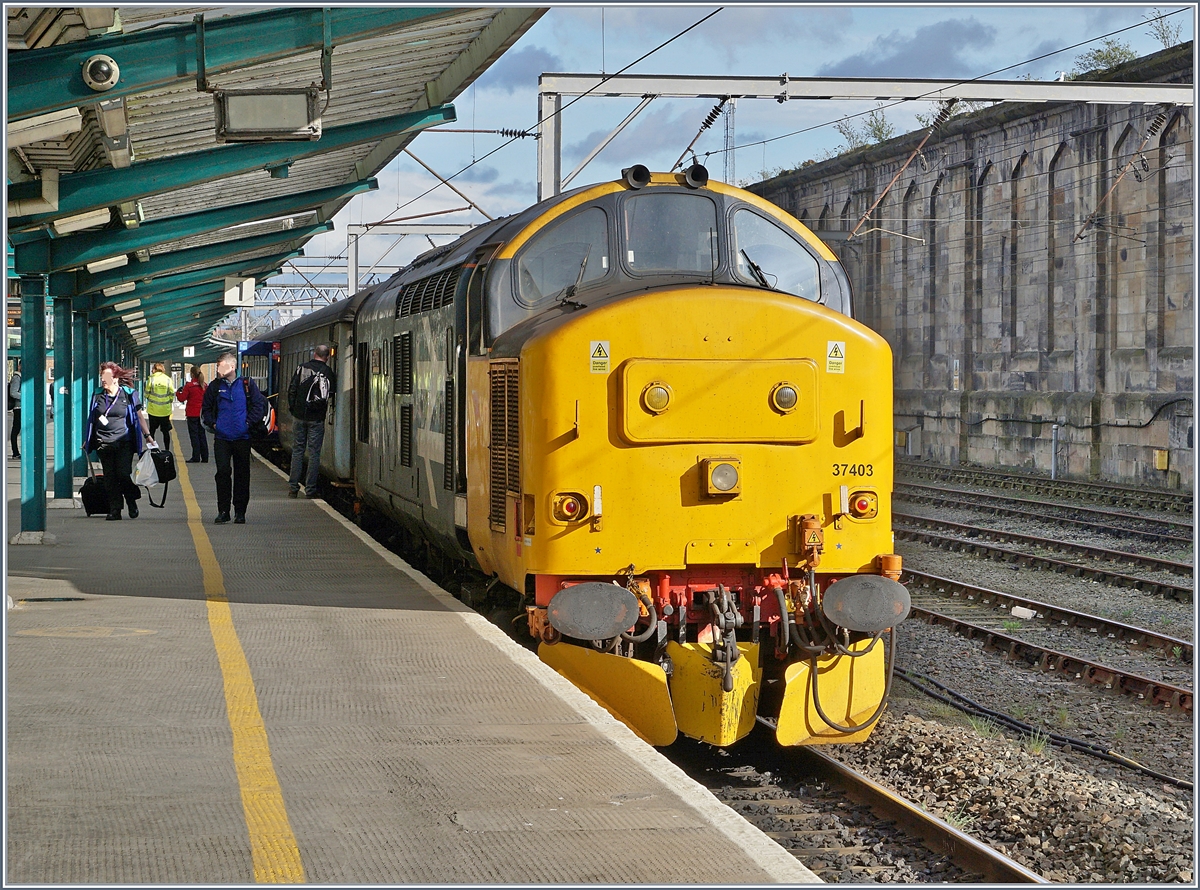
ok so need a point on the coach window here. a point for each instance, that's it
(670, 232)
(767, 256)
(571, 252)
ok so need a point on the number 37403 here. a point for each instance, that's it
(854, 469)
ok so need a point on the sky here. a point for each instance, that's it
(842, 40)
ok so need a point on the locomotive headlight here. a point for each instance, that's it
(784, 398)
(864, 505)
(656, 397)
(569, 506)
(722, 476)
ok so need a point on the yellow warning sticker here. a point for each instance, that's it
(835, 357)
(814, 538)
(599, 356)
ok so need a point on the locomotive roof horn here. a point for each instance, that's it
(636, 176)
(696, 176)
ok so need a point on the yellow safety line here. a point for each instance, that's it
(272, 843)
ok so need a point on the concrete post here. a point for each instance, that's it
(64, 416)
(33, 403)
(1054, 451)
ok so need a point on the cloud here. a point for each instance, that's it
(519, 69)
(935, 50)
(478, 173)
(661, 128)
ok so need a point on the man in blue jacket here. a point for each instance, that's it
(230, 406)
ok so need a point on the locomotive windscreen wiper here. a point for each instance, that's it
(569, 291)
(757, 271)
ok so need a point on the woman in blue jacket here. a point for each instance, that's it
(116, 428)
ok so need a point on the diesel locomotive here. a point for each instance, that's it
(643, 410)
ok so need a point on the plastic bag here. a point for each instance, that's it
(145, 473)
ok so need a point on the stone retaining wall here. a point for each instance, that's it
(1017, 291)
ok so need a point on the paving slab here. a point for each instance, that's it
(409, 740)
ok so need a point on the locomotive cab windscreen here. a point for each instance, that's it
(622, 242)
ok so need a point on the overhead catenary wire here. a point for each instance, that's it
(513, 139)
(884, 107)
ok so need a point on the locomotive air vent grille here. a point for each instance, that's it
(406, 435)
(448, 455)
(402, 367)
(504, 475)
(431, 292)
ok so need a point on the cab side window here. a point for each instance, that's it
(572, 251)
(766, 255)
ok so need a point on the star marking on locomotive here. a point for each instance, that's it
(597, 549)
(839, 546)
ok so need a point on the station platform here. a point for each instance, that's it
(286, 701)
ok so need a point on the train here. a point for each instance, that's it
(641, 411)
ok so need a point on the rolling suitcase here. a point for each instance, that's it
(93, 493)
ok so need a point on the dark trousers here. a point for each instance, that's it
(163, 423)
(117, 461)
(236, 453)
(310, 435)
(199, 439)
(14, 438)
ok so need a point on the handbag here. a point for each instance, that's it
(145, 472)
(158, 466)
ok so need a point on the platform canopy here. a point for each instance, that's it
(157, 154)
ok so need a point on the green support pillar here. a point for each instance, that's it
(33, 404)
(64, 415)
(80, 375)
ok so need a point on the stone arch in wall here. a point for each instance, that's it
(931, 315)
(1173, 300)
(980, 327)
(1018, 201)
(908, 267)
(1056, 214)
(1126, 291)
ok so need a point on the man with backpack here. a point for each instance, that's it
(231, 408)
(310, 395)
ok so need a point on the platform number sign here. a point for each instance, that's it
(835, 357)
(600, 354)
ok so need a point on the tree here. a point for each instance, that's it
(1109, 54)
(875, 128)
(1165, 32)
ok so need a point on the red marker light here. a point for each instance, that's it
(570, 506)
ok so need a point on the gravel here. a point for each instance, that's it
(1049, 812)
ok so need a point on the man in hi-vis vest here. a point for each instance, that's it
(160, 396)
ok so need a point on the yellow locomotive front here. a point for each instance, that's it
(691, 479)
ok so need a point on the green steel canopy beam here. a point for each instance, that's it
(144, 289)
(51, 79)
(55, 254)
(105, 187)
(177, 260)
(164, 308)
(206, 288)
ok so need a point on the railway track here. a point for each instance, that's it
(841, 824)
(1150, 691)
(1093, 492)
(981, 545)
(1108, 522)
(1137, 637)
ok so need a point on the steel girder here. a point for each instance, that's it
(195, 277)
(178, 260)
(56, 254)
(51, 79)
(105, 187)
